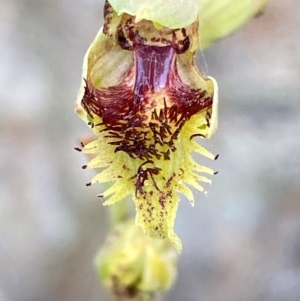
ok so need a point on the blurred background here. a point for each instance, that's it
(242, 242)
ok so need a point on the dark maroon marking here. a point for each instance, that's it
(197, 135)
(154, 39)
(216, 157)
(153, 65)
(166, 155)
(177, 131)
(88, 184)
(207, 118)
(170, 180)
(78, 149)
(84, 167)
(81, 143)
(216, 172)
(124, 109)
(207, 122)
(107, 9)
(142, 176)
(121, 108)
(122, 40)
(107, 15)
(181, 46)
(100, 196)
(162, 200)
(91, 124)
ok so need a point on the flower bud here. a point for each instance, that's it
(132, 265)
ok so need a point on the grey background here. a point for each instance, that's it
(241, 243)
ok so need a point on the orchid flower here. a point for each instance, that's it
(146, 100)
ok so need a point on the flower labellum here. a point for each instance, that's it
(146, 101)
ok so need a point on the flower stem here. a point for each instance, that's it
(120, 212)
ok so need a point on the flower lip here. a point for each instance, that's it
(143, 117)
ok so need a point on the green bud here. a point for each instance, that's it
(131, 265)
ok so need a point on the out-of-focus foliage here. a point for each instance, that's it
(218, 18)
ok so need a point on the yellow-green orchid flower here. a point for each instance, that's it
(145, 99)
